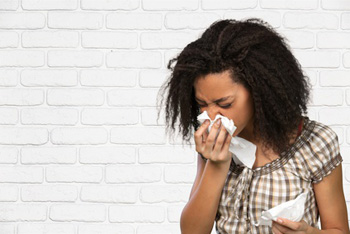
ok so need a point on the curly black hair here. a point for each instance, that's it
(258, 58)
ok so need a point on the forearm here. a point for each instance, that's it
(313, 230)
(199, 214)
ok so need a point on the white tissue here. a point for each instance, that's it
(243, 150)
(292, 210)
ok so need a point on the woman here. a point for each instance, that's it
(244, 70)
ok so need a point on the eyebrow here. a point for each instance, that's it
(216, 101)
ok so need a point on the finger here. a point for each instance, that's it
(281, 228)
(210, 141)
(275, 230)
(220, 140)
(204, 136)
(198, 135)
(296, 226)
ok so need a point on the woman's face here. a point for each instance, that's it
(217, 93)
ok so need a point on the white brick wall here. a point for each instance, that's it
(81, 148)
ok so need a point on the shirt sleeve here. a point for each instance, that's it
(326, 155)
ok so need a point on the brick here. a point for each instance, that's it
(134, 59)
(335, 116)
(22, 20)
(134, 21)
(9, 39)
(336, 78)
(74, 174)
(8, 193)
(30, 228)
(161, 228)
(164, 193)
(75, 97)
(8, 116)
(170, 5)
(166, 154)
(118, 40)
(9, 5)
(341, 5)
(345, 21)
(49, 4)
(174, 213)
(107, 155)
(180, 20)
(310, 20)
(331, 40)
(79, 136)
(179, 174)
(138, 135)
(328, 97)
(166, 40)
(21, 97)
(48, 155)
(340, 133)
(49, 193)
(344, 151)
(150, 117)
(109, 5)
(347, 169)
(133, 174)
(8, 78)
(22, 58)
(108, 78)
(23, 136)
(70, 58)
(271, 17)
(348, 97)
(109, 194)
(44, 39)
(136, 213)
(289, 4)
(105, 229)
(7, 228)
(75, 20)
(52, 116)
(293, 39)
(21, 174)
(346, 59)
(109, 116)
(49, 78)
(170, 54)
(312, 76)
(8, 155)
(347, 192)
(132, 97)
(22, 212)
(78, 212)
(227, 4)
(317, 59)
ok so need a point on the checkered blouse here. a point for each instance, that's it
(248, 192)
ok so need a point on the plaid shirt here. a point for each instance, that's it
(248, 192)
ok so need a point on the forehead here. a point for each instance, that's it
(215, 85)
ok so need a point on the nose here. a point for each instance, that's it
(212, 111)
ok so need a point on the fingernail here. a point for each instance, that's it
(280, 220)
(206, 121)
(218, 122)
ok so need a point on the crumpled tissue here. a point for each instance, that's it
(292, 210)
(243, 150)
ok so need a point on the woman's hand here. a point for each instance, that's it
(215, 145)
(285, 226)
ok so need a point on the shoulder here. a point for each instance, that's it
(320, 150)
